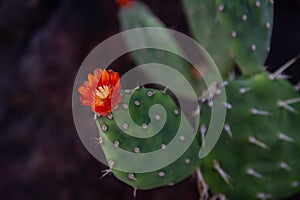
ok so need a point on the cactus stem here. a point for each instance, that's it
(278, 72)
(244, 17)
(244, 90)
(253, 140)
(284, 166)
(222, 173)
(263, 196)
(132, 177)
(253, 47)
(227, 105)
(257, 3)
(285, 105)
(295, 184)
(255, 111)
(252, 172)
(221, 7)
(99, 140)
(117, 144)
(161, 174)
(227, 129)
(286, 138)
(203, 131)
(125, 126)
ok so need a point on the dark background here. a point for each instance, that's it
(42, 44)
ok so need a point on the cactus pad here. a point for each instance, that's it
(258, 151)
(122, 138)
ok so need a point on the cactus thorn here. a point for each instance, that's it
(285, 137)
(99, 140)
(255, 111)
(252, 172)
(279, 72)
(284, 166)
(221, 172)
(263, 196)
(227, 129)
(244, 90)
(253, 140)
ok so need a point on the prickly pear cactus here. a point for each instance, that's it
(257, 154)
(138, 15)
(233, 31)
(122, 137)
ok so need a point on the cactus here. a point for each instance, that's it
(138, 15)
(138, 106)
(256, 155)
(233, 31)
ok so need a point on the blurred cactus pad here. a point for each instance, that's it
(257, 154)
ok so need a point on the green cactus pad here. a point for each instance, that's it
(257, 155)
(249, 24)
(202, 15)
(233, 31)
(140, 102)
(138, 15)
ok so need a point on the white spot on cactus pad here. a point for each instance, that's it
(244, 17)
(284, 166)
(137, 103)
(234, 34)
(221, 7)
(104, 127)
(137, 150)
(187, 161)
(176, 112)
(227, 129)
(244, 90)
(257, 3)
(295, 184)
(163, 146)
(132, 177)
(263, 196)
(125, 126)
(111, 163)
(161, 174)
(253, 47)
(157, 117)
(150, 93)
(182, 138)
(117, 144)
(145, 126)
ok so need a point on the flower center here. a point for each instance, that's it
(102, 92)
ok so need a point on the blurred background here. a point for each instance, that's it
(42, 44)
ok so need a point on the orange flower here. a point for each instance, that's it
(124, 3)
(101, 91)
